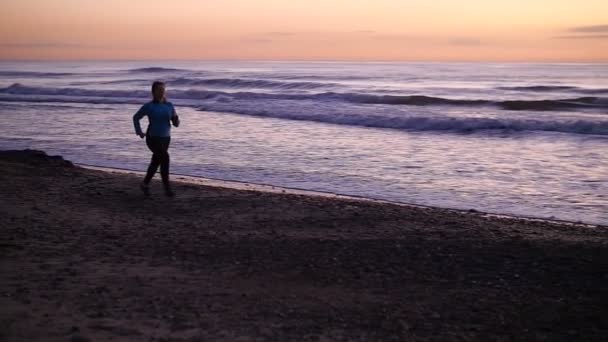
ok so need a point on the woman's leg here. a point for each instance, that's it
(165, 161)
(160, 156)
(154, 146)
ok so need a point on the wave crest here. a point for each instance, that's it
(154, 70)
(8, 73)
(418, 123)
(246, 83)
(358, 98)
(548, 88)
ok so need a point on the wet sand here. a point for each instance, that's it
(85, 257)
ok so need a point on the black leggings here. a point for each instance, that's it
(160, 156)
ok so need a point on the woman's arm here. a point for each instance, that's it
(174, 117)
(140, 114)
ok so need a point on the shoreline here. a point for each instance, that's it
(243, 185)
(84, 256)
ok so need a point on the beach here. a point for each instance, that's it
(509, 138)
(85, 257)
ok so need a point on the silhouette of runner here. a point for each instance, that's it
(161, 114)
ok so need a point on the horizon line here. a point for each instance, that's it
(312, 60)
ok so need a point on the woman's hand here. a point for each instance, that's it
(142, 135)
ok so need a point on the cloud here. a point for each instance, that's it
(465, 41)
(268, 37)
(48, 45)
(279, 34)
(585, 32)
(283, 36)
(590, 29)
(257, 40)
(279, 37)
(365, 31)
(396, 36)
(583, 36)
(295, 33)
(431, 40)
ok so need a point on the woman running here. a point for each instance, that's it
(161, 114)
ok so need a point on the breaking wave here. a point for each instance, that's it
(401, 121)
(154, 69)
(246, 83)
(546, 88)
(411, 100)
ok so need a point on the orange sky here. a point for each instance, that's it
(438, 30)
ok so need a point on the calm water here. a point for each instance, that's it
(523, 139)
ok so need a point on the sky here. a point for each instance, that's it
(409, 30)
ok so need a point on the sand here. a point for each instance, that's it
(85, 257)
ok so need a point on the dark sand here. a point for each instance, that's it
(84, 257)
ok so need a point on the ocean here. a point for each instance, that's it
(507, 138)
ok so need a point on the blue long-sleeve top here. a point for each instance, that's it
(159, 118)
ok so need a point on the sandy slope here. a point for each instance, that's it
(84, 257)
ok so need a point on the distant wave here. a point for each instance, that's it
(539, 105)
(547, 88)
(562, 104)
(538, 88)
(19, 89)
(234, 83)
(8, 73)
(245, 83)
(314, 77)
(154, 69)
(129, 81)
(598, 91)
(424, 123)
(319, 108)
(411, 100)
